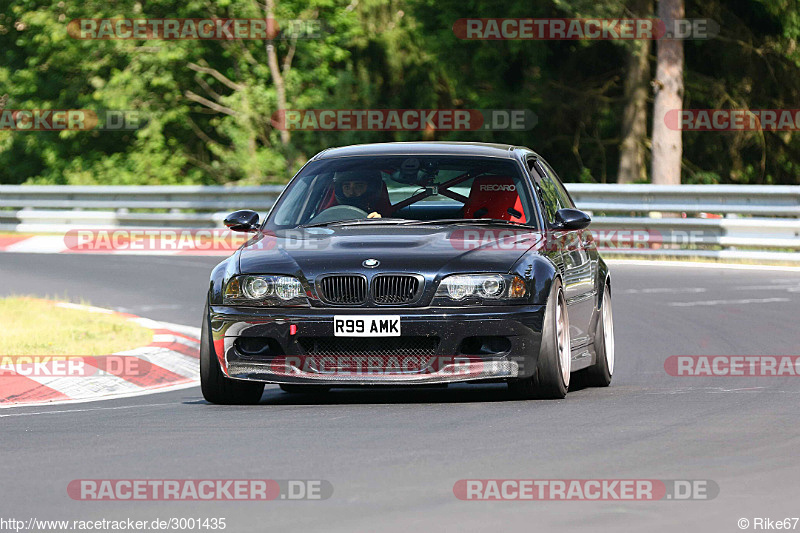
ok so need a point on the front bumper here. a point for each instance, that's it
(289, 361)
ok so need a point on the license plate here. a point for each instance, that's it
(366, 326)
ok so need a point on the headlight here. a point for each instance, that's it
(265, 290)
(459, 287)
(256, 287)
(479, 287)
(288, 288)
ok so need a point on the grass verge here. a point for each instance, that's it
(38, 327)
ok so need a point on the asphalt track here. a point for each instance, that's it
(394, 455)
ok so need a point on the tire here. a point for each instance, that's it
(600, 373)
(551, 378)
(305, 389)
(216, 386)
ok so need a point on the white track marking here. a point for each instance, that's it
(87, 308)
(730, 302)
(692, 264)
(191, 331)
(722, 390)
(141, 392)
(146, 308)
(41, 244)
(776, 287)
(85, 410)
(664, 290)
(165, 337)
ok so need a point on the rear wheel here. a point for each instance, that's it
(305, 389)
(599, 374)
(216, 386)
(551, 378)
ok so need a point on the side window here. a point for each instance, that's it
(298, 201)
(548, 192)
(563, 195)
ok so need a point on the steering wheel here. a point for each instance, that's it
(337, 213)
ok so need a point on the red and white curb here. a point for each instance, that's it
(55, 244)
(171, 359)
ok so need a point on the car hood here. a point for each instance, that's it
(427, 250)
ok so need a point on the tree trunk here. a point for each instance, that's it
(275, 71)
(634, 118)
(668, 86)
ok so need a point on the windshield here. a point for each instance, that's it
(404, 188)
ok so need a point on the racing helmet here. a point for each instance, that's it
(368, 198)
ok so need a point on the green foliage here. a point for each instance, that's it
(375, 54)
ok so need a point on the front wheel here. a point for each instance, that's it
(551, 378)
(216, 386)
(599, 374)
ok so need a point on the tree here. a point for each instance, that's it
(632, 149)
(207, 106)
(668, 86)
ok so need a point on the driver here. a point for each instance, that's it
(359, 189)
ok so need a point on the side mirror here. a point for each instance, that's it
(571, 219)
(244, 220)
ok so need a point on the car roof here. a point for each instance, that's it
(426, 148)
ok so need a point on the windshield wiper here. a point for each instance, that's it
(406, 222)
(355, 222)
(460, 221)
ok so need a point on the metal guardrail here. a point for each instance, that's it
(47, 208)
(757, 222)
(765, 200)
(750, 222)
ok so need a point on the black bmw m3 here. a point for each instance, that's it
(411, 264)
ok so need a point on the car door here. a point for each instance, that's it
(576, 260)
